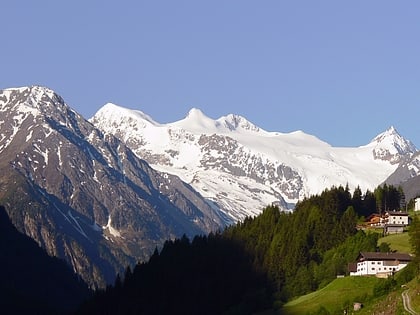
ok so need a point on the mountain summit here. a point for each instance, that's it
(240, 168)
(85, 196)
(196, 120)
(391, 146)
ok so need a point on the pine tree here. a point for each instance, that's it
(403, 202)
(380, 200)
(357, 201)
(369, 203)
(348, 223)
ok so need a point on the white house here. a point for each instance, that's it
(396, 217)
(392, 218)
(379, 264)
(417, 204)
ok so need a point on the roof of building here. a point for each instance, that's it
(384, 256)
(397, 213)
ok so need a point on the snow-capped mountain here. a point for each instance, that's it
(390, 146)
(241, 168)
(85, 196)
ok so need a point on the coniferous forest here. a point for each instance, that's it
(259, 263)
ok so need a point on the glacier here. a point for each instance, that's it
(241, 168)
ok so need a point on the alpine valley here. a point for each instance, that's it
(102, 194)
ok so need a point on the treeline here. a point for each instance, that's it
(308, 248)
(208, 275)
(249, 266)
(383, 198)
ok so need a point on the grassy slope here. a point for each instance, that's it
(347, 290)
(392, 303)
(351, 289)
(398, 242)
(414, 292)
(334, 296)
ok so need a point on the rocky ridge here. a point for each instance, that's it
(83, 195)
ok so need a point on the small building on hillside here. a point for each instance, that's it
(391, 221)
(417, 204)
(375, 219)
(394, 228)
(396, 217)
(378, 264)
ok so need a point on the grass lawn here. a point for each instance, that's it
(334, 296)
(398, 242)
(414, 293)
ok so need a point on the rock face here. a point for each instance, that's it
(408, 176)
(31, 281)
(390, 146)
(241, 168)
(83, 195)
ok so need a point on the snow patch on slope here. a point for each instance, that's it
(114, 232)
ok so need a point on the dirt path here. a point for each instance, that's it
(407, 303)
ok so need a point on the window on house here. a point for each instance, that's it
(373, 268)
(373, 262)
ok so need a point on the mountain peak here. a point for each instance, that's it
(33, 99)
(195, 113)
(34, 91)
(392, 129)
(235, 122)
(196, 120)
(391, 146)
(115, 113)
(392, 136)
(39, 89)
(390, 132)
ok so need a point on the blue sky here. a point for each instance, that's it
(341, 70)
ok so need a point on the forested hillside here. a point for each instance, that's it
(209, 275)
(261, 262)
(31, 281)
(302, 250)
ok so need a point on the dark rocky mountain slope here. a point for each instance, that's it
(83, 196)
(31, 281)
(407, 175)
